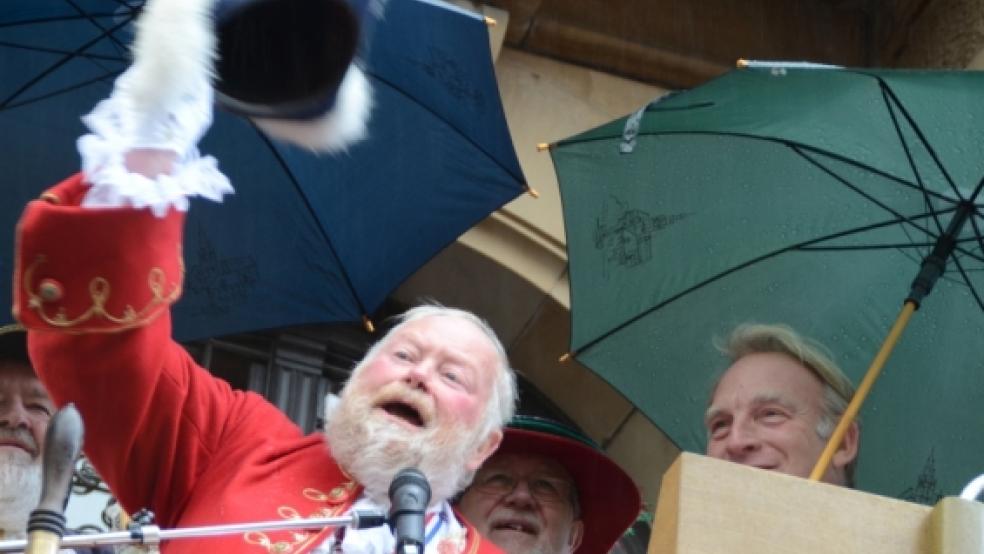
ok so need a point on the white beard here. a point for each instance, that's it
(372, 448)
(20, 490)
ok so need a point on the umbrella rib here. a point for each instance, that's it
(919, 133)
(725, 273)
(891, 100)
(655, 107)
(907, 231)
(977, 234)
(914, 259)
(92, 18)
(314, 214)
(873, 246)
(39, 20)
(977, 190)
(806, 246)
(902, 247)
(902, 218)
(51, 69)
(52, 94)
(87, 56)
(784, 142)
(970, 285)
(792, 144)
(859, 165)
(853, 187)
(468, 139)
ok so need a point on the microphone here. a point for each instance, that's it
(62, 444)
(409, 496)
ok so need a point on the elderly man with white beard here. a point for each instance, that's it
(432, 394)
(25, 410)
(413, 402)
(98, 266)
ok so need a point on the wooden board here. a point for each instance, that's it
(709, 506)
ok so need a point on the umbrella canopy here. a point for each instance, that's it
(800, 196)
(306, 238)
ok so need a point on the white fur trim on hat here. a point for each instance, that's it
(174, 50)
(343, 125)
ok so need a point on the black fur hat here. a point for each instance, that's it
(13, 344)
(290, 65)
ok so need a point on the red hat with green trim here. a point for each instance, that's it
(608, 498)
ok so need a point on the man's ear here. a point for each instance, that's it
(848, 449)
(484, 450)
(577, 534)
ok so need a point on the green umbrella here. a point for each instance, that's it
(806, 196)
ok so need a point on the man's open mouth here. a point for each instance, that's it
(403, 411)
(516, 525)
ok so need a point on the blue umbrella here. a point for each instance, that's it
(306, 238)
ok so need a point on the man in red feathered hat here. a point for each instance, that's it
(550, 490)
(98, 265)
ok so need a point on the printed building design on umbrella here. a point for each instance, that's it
(625, 235)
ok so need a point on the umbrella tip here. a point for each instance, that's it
(532, 191)
(367, 323)
(565, 358)
(542, 146)
(490, 22)
(742, 63)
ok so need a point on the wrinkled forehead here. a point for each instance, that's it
(453, 335)
(761, 378)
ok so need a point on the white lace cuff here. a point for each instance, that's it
(118, 126)
(114, 186)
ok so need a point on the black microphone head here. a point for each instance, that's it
(409, 496)
(411, 480)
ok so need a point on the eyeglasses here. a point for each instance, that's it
(549, 490)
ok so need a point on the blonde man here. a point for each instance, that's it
(778, 403)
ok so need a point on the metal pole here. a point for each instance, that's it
(151, 534)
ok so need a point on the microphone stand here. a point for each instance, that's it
(410, 495)
(153, 535)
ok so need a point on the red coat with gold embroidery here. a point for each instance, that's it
(93, 286)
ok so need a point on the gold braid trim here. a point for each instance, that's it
(51, 198)
(299, 539)
(337, 494)
(100, 291)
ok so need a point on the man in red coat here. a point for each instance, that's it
(98, 266)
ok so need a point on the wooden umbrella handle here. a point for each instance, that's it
(863, 389)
